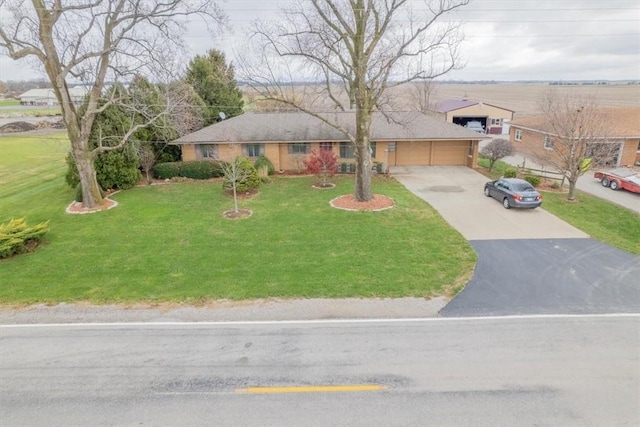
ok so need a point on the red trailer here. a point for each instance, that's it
(626, 179)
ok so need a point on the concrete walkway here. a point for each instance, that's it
(457, 193)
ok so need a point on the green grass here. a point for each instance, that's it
(499, 167)
(601, 219)
(9, 102)
(30, 112)
(171, 243)
(605, 221)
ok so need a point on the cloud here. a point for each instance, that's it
(505, 40)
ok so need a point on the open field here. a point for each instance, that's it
(171, 243)
(9, 102)
(19, 111)
(523, 98)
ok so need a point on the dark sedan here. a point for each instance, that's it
(513, 193)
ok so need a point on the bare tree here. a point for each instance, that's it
(187, 114)
(496, 150)
(353, 51)
(147, 158)
(95, 42)
(239, 175)
(576, 136)
(422, 96)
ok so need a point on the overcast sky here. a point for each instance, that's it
(504, 39)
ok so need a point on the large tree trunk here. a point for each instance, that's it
(363, 156)
(91, 197)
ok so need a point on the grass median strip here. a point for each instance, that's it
(312, 389)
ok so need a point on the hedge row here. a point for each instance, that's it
(196, 169)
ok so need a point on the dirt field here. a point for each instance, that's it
(523, 98)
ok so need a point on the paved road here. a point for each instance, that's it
(456, 192)
(552, 276)
(527, 371)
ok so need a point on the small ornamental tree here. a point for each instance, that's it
(323, 164)
(496, 150)
(147, 158)
(239, 176)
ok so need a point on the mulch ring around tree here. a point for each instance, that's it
(323, 185)
(77, 208)
(242, 213)
(348, 203)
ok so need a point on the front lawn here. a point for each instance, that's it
(171, 243)
(601, 219)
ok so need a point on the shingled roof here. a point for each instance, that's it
(302, 127)
(456, 104)
(624, 122)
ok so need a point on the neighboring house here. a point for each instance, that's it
(46, 97)
(288, 138)
(534, 134)
(463, 111)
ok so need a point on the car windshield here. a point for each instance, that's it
(523, 187)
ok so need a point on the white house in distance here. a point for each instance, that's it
(46, 97)
(462, 111)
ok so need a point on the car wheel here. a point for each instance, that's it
(506, 203)
(605, 182)
(486, 192)
(615, 185)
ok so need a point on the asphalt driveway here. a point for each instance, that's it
(529, 261)
(549, 276)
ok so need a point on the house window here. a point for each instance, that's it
(372, 145)
(347, 150)
(638, 149)
(518, 135)
(299, 148)
(208, 151)
(548, 142)
(252, 150)
(496, 122)
(326, 146)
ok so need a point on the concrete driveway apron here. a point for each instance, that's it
(529, 261)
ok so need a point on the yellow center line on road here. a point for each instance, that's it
(312, 389)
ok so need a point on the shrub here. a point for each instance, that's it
(323, 164)
(201, 169)
(196, 169)
(533, 180)
(555, 185)
(114, 169)
(243, 173)
(377, 166)
(166, 170)
(17, 237)
(347, 168)
(510, 173)
(496, 150)
(263, 162)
